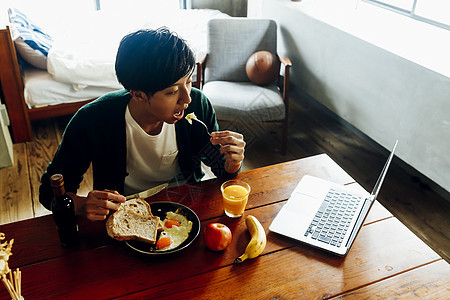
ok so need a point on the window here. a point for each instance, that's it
(118, 4)
(435, 12)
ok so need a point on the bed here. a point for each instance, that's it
(79, 64)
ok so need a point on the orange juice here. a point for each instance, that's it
(235, 196)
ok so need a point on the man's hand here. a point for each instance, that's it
(232, 147)
(97, 204)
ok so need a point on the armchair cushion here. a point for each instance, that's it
(232, 41)
(233, 100)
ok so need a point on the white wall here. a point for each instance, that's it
(382, 93)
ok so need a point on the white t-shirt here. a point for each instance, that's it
(151, 159)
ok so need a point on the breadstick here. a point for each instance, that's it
(10, 288)
(12, 280)
(16, 283)
(19, 280)
(5, 282)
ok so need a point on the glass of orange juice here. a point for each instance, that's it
(235, 195)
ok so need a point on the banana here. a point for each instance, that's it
(258, 239)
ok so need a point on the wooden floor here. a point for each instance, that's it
(313, 130)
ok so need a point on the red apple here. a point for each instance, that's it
(217, 236)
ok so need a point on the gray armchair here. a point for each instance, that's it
(230, 42)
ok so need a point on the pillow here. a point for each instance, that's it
(31, 41)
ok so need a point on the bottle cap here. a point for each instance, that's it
(57, 180)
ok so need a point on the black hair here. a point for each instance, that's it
(151, 60)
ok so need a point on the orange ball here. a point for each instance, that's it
(262, 67)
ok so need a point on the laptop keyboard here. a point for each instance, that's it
(333, 218)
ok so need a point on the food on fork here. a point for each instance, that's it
(190, 117)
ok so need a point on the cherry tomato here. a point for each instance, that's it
(172, 222)
(163, 242)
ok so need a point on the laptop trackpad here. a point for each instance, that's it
(296, 215)
(303, 205)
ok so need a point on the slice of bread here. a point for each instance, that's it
(141, 207)
(127, 225)
(137, 205)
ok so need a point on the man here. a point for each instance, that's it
(138, 138)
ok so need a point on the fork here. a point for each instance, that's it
(201, 122)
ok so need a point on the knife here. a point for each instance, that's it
(149, 192)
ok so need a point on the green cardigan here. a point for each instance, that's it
(96, 134)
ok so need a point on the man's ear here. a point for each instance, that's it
(139, 96)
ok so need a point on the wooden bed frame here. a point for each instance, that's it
(11, 86)
(11, 83)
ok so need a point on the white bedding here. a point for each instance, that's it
(42, 90)
(85, 54)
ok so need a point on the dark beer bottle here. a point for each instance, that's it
(64, 213)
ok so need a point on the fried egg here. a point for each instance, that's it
(176, 229)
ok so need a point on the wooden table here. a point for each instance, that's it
(386, 259)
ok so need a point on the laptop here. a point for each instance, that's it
(326, 215)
